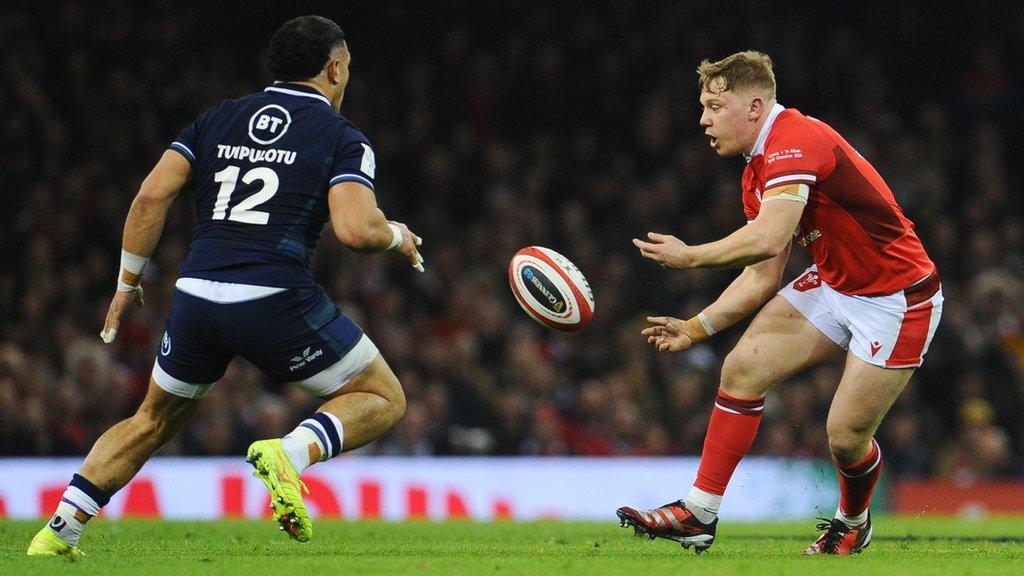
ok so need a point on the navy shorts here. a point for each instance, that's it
(291, 336)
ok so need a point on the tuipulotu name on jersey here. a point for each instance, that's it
(255, 155)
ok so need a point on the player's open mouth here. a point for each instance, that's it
(714, 141)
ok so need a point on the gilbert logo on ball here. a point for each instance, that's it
(551, 289)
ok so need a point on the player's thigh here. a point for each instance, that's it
(377, 378)
(779, 342)
(865, 394)
(164, 411)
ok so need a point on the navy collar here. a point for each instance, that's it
(298, 90)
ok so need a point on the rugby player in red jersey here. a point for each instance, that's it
(872, 293)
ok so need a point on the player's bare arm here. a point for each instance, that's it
(361, 225)
(142, 229)
(764, 238)
(755, 286)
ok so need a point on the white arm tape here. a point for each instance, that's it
(706, 324)
(123, 286)
(132, 263)
(396, 236)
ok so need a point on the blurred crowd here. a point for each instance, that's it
(498, 126)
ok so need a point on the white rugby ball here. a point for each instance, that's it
(551, 289)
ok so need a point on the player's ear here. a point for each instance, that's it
(334, 71)
(756, 108)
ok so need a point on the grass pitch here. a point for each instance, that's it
(901, 546)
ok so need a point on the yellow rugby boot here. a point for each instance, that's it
(46, 543)
(282, 481)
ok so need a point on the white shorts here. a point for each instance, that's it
(891, 331)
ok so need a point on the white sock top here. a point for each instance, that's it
(703, 505)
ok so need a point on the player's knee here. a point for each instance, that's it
(742, 376)
(378, 379)
(847, 443)
(385, 384)
(396, 400)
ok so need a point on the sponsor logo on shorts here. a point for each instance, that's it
(808, 281)
(165, 345)
(305, 358)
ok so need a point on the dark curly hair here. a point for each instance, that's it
(301, 47)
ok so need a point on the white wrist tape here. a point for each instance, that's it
(705, 323)
(123, 286)
(396, 236)
(132, 263)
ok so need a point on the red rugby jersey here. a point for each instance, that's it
(852, 226)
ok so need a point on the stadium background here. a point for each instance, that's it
(499, 126)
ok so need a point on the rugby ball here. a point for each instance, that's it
(551, 289)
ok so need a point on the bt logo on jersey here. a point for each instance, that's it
(268, 124)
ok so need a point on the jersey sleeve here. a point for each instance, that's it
(794, 155)
(185, 143)
(354, 160)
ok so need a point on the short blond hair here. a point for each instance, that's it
(742, 70)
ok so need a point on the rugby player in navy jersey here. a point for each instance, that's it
(269, 170)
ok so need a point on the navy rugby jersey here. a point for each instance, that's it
(262, 166)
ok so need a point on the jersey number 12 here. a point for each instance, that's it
(243, 211)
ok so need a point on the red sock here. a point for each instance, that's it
(857, 482)
(731, 431)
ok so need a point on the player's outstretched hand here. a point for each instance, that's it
(667, 334)
(408, 247)
(118, 306)
(669, 251)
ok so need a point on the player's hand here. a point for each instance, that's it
(121, 302)
(408, 247)
(669, 251)
(667, 334)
